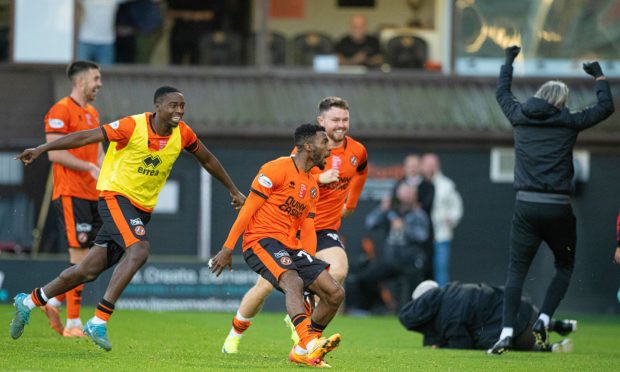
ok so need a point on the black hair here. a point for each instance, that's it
(305, 132)
(80, 66)
(329, 102)
(162, 91)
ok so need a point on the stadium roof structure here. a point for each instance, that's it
(244, 103)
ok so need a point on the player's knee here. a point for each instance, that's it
(263, 288)
(335, 297)
(138, 253)
(85, 273)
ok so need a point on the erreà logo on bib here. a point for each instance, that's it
(152, 161)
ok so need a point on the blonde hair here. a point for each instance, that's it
(554, 92)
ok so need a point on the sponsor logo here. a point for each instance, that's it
(281, 253)
(56, 123)
(139, 230)
(264, 181)
(115, 125)
(336, 162)
(152, 161)
(162, 143)
(136, 222)
(353, 160)
(313, 192)
(334, 236)
(286, 261)
(292, 207)
(291, 185)
(302, 190)
(83, 227)
(82, 237)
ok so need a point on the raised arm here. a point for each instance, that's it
(604, 106)
(70, 141)
(212, 165)
(503, 94)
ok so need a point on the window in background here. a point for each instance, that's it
(556, 36)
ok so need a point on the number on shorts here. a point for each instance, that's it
(304, 254)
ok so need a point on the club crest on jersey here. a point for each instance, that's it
(139, 230)
(264, 181)
(302, 190)
(152, 161)
(313, 192)
(353, 160)
(82, 237)
(286, 261)
(291, 185)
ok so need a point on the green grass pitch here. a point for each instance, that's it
(175, 341)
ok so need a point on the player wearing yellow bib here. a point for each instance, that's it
(142, 151)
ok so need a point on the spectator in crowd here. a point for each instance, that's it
(139, 26)
(358, 47)
(469, 316)
(426, 195)
(542, 178)
(97, 30)
(402, 256)
(192, 20)
(445, 215)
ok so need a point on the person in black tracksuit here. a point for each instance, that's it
(544, 135)
(469, 316)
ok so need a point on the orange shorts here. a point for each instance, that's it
(269, 258)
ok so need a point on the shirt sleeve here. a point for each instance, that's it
(358, 181)
(119, 131)
(58, 120)
(189, 140)
(267, 179)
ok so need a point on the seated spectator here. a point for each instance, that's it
(358, 47)
(402, 256)
(469, 316)
(307, 45)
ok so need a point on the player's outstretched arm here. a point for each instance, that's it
(224, 258)
(70, 141)
(212, 165)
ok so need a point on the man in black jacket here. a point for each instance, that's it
(544, 135)
(469, 316)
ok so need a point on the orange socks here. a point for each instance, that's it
(240, 325)
(104, 310)
(302, 327)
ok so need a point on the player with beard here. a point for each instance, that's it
(75, 172)
(143, 148)
(282, 202)
(339, 190)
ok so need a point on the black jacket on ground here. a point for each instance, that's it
(544, 135)
(461, 316)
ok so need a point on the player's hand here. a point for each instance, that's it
(221, 260)
(329, 176)
(346, 212)
(617, 256)
(94, 171)
(593, 69)
(511, 53)
(397, 224)
(28, 155)
(237, 200)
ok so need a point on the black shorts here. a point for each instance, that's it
(327, 239)
(79, 221)
(269, 258)
(123, 226)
